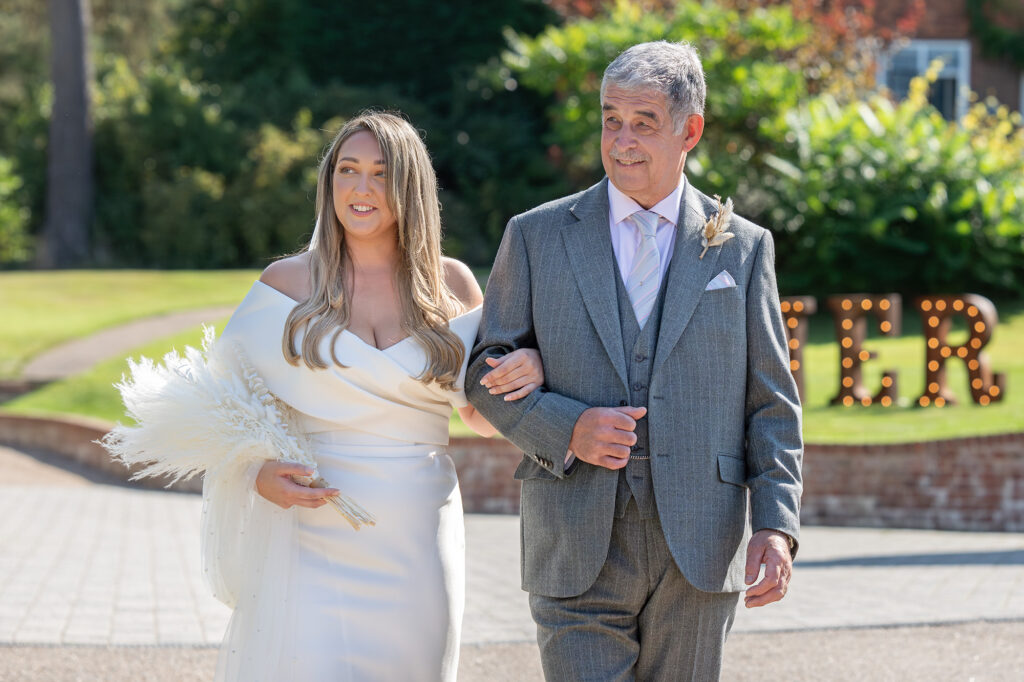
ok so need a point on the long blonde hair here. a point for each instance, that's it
(427, 302)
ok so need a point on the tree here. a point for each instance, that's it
(69, 188)
(840, 53)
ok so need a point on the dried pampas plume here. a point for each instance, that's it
(210, 411)
(714, 229)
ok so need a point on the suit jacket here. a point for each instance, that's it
(723, 413)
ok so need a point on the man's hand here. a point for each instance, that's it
(603, 435)
(771, 548)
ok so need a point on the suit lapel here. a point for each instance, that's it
(589, 247)
(688, 275)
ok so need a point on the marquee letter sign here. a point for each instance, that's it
(795, 310)
(937, 317)
(850, 315)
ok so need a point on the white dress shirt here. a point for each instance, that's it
(626, 235)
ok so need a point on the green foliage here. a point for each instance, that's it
(182, 186)
(196, 99)
(426, 48)
(15, 245)
(418, 57)
(996, 40)
(875, 197)
(25, 97)
(744, 62)
(160, 149)
(131, 30)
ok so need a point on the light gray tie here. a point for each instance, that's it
(645, 276)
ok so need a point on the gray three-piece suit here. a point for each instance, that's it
(653, 553)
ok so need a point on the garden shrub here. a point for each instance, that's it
(876, 197)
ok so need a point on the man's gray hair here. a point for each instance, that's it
(673, 69)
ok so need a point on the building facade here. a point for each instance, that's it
(945, 31)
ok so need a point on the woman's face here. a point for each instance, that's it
(360, 187)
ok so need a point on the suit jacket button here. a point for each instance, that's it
(622, 403)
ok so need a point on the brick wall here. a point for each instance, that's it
(942, 20)
(73, 437)
(485, 467)
(959, 484)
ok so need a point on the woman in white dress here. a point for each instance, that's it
(366, 336)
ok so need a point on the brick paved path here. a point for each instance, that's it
(86, 563)
(94, 565)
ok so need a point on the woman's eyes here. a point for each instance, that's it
(348, 170)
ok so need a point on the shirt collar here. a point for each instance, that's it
(623, 206)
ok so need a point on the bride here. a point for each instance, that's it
(365, 335)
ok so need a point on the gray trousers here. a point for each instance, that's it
(641, 620)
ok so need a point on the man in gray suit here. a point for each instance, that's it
(668, 428)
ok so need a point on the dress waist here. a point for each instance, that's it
(359, 444)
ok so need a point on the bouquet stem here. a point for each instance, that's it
(346, 506)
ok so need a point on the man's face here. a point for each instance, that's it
(641, 153)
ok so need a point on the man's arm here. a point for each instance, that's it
(774, 445)
(541, 424)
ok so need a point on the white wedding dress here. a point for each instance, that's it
(315, 599)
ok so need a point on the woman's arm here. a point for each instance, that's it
(515, 375)
(474, 420)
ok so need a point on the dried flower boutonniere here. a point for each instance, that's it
(714, 229)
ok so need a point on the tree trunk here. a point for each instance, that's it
(69, 177)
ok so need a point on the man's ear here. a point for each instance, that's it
(692, 130)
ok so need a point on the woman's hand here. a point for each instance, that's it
(274, 483)
(517, 374)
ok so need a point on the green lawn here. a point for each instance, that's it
(39, 310)
(90, 393)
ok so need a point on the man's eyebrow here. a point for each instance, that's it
(379, 162)
(647, 114)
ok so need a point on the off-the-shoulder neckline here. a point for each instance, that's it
(356, 336)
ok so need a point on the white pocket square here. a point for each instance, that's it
(722, 280)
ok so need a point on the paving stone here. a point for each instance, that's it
(98, 564)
